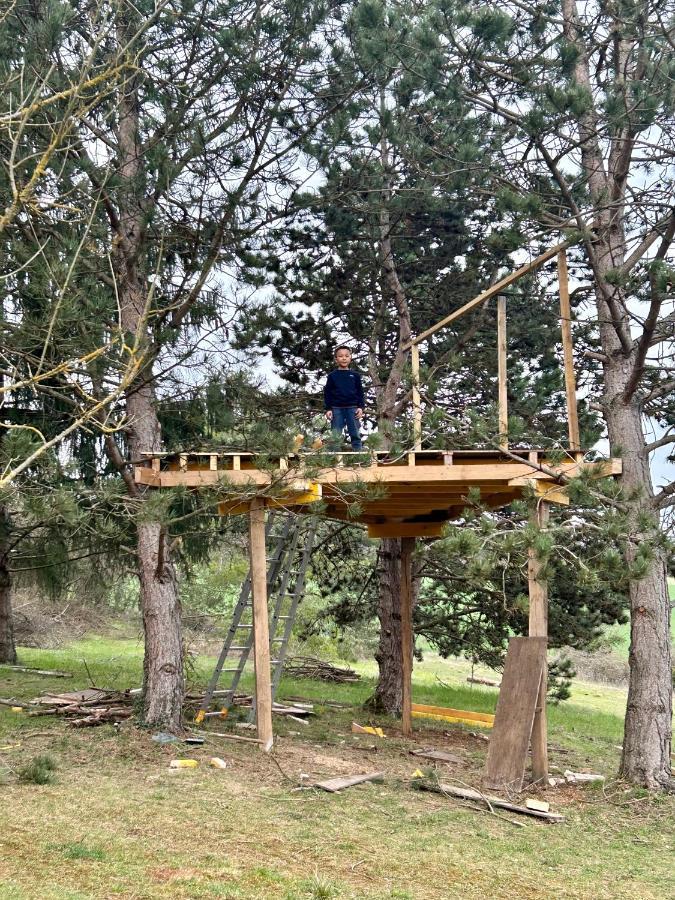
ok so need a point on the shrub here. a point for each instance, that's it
(40, 770)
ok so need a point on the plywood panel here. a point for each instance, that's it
(514, 716)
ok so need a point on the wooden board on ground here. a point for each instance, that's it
(514, 717)
(344, 781)
(438, 755)
(448, 714)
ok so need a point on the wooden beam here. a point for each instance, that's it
(568, 352)
(483, 470)
(538, 627)
(261, 637)
(416, 402)
(501, 373)
(405, 529)
(490, 292)
(407, 635)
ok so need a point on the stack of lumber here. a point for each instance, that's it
(296, 710)
(311, 667)
(299, 710)
(89, 707)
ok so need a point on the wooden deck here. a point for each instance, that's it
(411, 496)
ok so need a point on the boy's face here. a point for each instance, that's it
(343, 358)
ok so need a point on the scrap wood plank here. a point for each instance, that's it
(344, 781)
(488, 799)
(514, 717)
(439, 755)
(447, 714)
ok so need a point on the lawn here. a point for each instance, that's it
(117, 822)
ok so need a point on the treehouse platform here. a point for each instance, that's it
(413, 495)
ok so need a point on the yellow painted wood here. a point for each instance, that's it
(444, 711)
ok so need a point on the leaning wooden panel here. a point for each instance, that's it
(514, 716)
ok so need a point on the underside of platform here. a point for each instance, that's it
(409, 496)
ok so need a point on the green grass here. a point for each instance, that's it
(119, 823)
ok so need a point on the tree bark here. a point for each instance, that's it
(7, 646)
(387, 696)
(163, 683)
(648, 725)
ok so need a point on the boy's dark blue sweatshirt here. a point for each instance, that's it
(343, 389)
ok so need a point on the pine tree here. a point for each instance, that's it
(166, 170)
(586, 95)
(389, 241)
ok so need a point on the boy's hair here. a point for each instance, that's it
(342, 347)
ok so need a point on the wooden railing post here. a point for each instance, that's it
(416, 401)
(407, 548)
(501, 373)
(568, 352)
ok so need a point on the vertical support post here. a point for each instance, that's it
(416, 401)
(501, 373)
(261, 636)
(407, 548)
(538, 627)
(568, 352)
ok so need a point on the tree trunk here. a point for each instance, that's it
(163, 686)
(647, 728)
(163, 660)
(7, 646)
(387, 696)
(648, 724)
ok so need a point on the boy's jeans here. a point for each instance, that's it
(346, 416)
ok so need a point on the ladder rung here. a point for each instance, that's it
(244, 626)
(236, 669)
(243, 647)
(277, 641)
(283, 617)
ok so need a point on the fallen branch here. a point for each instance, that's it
(51, 673)
(489, 800)
(333, 785)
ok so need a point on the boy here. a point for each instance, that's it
(343, 398)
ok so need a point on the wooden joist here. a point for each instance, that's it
(411, 496)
